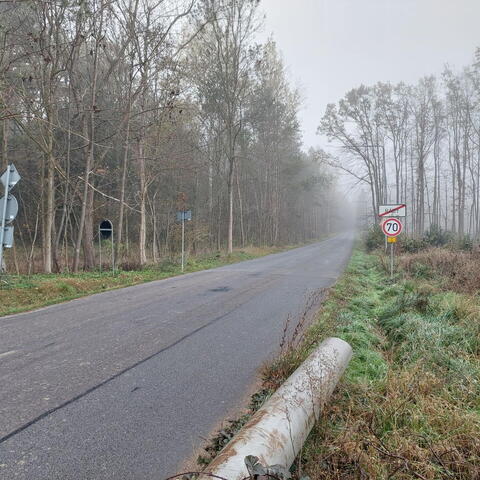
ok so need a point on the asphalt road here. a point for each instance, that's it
(124, 384)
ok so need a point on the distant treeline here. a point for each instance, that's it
(415, 144)
(131, 110)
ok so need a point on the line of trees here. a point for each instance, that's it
(132, 109)
(415, 144)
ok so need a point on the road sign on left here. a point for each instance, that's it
(8, 236)
(13, 177)
(11, 210)
(105, 229)
(185, 215)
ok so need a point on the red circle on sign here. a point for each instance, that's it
(392, 227)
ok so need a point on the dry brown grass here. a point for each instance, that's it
(407, 429)
(408, 406)
(459, 271)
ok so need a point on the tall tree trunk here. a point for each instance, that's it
(4, 161)
(89, 132)
(88, 244)
(49, 214)
(420, 197)
(83, 212)
(240, 204)
(62, 230)
(49, 189)
(143, 212)
(121, 212)
(230, 205)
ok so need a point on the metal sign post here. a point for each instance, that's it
(113, 254)
(8, 210)
(182, 216)
(392, 227)
(4, 213)
(99, 251)
(391, 241)
(183, 243)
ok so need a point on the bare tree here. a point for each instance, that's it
(226, 46)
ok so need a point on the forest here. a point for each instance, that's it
(132, 110)
(414, 144)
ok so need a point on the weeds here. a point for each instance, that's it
(224, 435)
(457, 270)
(409, 403)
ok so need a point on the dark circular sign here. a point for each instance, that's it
(105, 229)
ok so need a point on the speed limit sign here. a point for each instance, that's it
(392, 227)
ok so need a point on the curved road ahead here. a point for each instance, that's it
(124, 384)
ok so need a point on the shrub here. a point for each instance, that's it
(131, 266)
(433, 237)
(436, 237)
(457, 269)
(374, 238)
(412, 245)
(166, 265)
(464, 243)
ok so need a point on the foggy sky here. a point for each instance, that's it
(331, 46)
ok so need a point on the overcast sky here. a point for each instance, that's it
(331, 46)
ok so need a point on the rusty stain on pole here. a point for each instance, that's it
(277, 432)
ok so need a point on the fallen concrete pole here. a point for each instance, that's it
(278, 430)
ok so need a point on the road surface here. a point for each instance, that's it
(124, 384)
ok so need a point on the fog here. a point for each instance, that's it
(207, 123)
(331, 46)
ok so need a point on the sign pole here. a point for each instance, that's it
(4, 213)
(113, 254)
(391, 261)
(392, 227)
(183, 240)
(100, 248)
(183, 216)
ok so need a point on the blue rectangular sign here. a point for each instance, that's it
(185, 216)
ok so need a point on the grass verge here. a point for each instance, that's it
(26, 292)
(408, 405)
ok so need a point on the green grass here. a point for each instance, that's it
(27, 292)
(408, 405)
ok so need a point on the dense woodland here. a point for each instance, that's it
(415, 144)
(134, 109)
